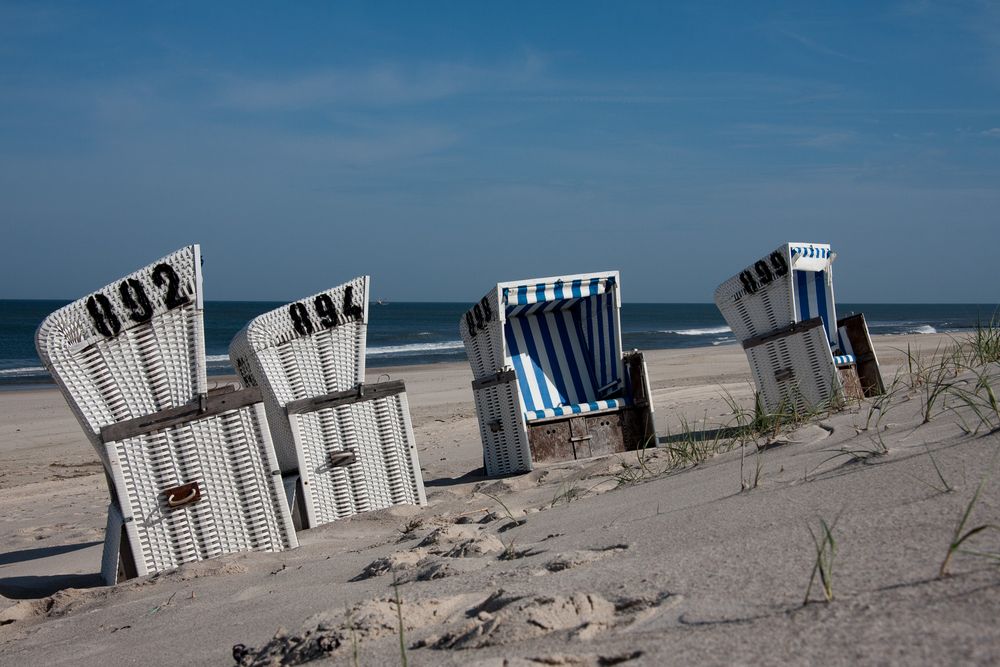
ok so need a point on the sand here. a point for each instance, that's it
(604, 561)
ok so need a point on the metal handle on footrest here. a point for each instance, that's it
(182, 495)
(342, 459)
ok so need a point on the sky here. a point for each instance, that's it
(443, 147)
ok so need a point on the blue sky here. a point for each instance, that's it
(442, 147)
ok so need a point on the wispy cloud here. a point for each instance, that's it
(816, 47)
(754, 135)
(387, 84)
(993, 133)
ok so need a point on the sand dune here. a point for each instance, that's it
(617, 560)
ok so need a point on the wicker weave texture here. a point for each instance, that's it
(287, 365)
(386, 470)
(502, 429)
(485, 345)
(768, 309)
(242, 505)
(795, 371)
(501, 421)
(133, 349)
(148, 366)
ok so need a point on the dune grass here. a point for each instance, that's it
(961, 534)
(399, 619)
(826, 549)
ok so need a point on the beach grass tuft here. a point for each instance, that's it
(399, 619)
(961, 534)
(826, 550)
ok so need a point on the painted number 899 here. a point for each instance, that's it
(766, 271)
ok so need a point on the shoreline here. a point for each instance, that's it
(880, 339)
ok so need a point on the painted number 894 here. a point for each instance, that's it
(325, 312)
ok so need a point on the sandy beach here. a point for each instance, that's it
(627, 559)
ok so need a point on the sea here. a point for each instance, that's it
(401, 333)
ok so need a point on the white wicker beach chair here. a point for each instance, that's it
(551, 382)
(782, 310)
(344, 446)
(192, 472)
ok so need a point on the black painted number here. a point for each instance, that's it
(136, 302)
(103, 315)
(300, 319)
(165, 273)
(778, 263)
(749, 284)
(326, 312)
(479, 317)
(764, 272)
(352, 309)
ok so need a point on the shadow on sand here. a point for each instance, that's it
(26, 587)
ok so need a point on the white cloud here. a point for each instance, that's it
(993, 133)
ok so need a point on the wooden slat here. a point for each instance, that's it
(210, 404)
(795, 327)
(363, 392)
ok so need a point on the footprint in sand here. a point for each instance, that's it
(571, 559)
(504, 618)
(327, 633)
(499, 619)
(455, 541)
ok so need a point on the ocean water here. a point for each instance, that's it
(419, 333)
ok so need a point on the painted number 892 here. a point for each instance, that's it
(138, 307)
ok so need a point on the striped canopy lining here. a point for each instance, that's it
(565, 351)
(811, 300)
(811, 251)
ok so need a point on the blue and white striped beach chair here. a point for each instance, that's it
(551, 382)
(782, 310)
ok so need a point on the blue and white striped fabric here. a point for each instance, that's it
(562, 339)
(810, 251)
(527, 299)
(845, 342)
(813, 300)
(843, 359)
(579, 408)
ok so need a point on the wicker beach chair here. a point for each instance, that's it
(551, 382)
(192, 473)
(344, 446)
(782, 310)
